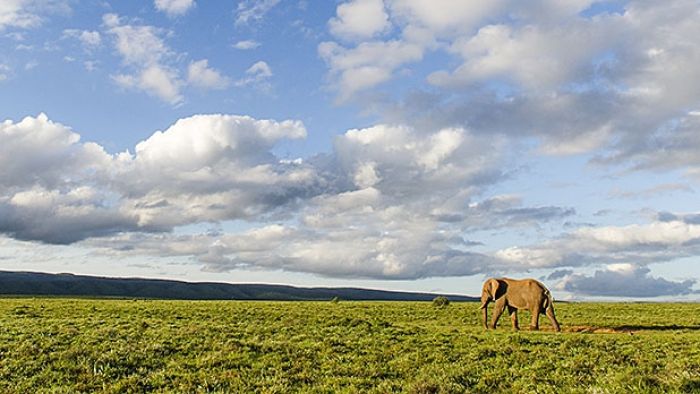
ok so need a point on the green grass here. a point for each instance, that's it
(117, 346)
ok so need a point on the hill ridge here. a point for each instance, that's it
(66, 284)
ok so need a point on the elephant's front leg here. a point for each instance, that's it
(535, 322)
(513, 317)
(497, 311)
(552, 318)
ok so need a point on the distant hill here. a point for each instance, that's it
(42, 284)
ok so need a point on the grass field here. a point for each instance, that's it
(117, 346)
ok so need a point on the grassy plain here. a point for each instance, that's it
(119, 346)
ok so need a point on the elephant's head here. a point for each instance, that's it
(489, 292)
(492, 289)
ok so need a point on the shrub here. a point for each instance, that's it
(441, 301)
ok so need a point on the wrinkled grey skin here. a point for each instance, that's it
(517, 294)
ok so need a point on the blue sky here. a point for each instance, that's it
(397, 144)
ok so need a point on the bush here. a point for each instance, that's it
(441, 301)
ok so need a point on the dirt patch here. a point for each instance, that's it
(597, 330)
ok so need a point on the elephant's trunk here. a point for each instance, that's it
(485, 298)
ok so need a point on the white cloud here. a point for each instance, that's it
(174, 7)
(37, 151)
(658, 241)
(61, 216)
(204, 168)
(421, 23)
(155, 80)
(144, 52)
(211, 168)
(246, 45)
(359, 19)
(253, 10)
(537, 58)
(138, 45)
(390, 201)
(89, 39)
(614, 83)
(18, 13)
(445, 17)
(200, 75)
(366, 213)
(356, 243)
(366, 65)
(162, 82)
(405, 162)
(257, 74)
(45, 173)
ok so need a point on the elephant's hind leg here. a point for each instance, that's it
(513, 317)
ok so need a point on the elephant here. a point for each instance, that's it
(517, 294)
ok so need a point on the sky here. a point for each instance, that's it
(419, 145)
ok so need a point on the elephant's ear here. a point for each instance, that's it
(493, 287)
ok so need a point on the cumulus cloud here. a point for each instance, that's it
(211, 168)
(370, 215)
(612, 81)
(389, 202)
(61, 216)
(203, 168)
(625, 280)
(174, 7)
(658, 241)
(359, 19)
(371, 62)
(400, 160)
(37, 151)
(366, 210)
(46, 180)
(199, 74)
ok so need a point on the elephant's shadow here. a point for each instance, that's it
(656, 327)
(631, 328)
